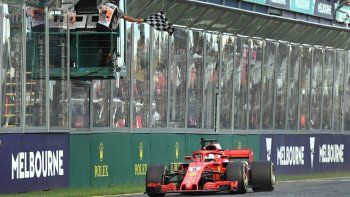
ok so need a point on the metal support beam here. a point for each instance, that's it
(132, 79)
(322, 95)
(346, 70)
(168, 80)
(275, 87)
(69, 85)
(299, 86)
(250, 43)
(218, 108)
(47, 64)
(151, 46)
(289, 69)
(187, 76)
(233, 85)
(261, 92)
(334, 62)
(23, 69)
(203, 76)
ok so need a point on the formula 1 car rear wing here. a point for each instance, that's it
(240, 154)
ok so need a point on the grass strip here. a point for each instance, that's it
(84, 192)
(313, 176)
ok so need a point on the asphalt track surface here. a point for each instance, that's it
(337, 187)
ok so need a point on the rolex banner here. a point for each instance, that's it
(292, 154)
(33, 162)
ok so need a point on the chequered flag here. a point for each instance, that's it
(160, 22)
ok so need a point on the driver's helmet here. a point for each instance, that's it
(209, 157)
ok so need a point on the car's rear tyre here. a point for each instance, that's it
(236, 171)
(154, 174)
(262, 176)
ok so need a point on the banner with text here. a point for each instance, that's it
(284, 4)
(33, 162)
(300, 154)
(324, 9)
(319, 8)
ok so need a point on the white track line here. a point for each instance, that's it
(132, 194)
(346, 178)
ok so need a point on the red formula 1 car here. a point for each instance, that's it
(212, 170)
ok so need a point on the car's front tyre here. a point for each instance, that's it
(154, 174)
(236, 171)
(263, 176)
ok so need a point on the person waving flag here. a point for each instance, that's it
(160, 22)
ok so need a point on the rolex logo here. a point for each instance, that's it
(177, 151)
(141, 151)
(100, 151)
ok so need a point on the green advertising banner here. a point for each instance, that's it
(122, 158)
(79, 161)
(122, 169)
(247, 141)
(253, 141)
(193, 143)
(239, 141)
(168, 149)
(226, 141)
(303, 6)
(102, 159)
(140, 156)
(159, 148)
(177, 148)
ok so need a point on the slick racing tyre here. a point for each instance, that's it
(262, 176)
(235, 171)
(154, 174)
